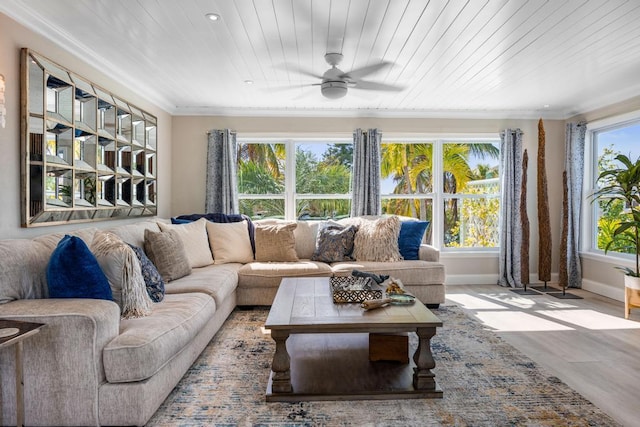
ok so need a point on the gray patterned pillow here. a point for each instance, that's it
(152, 278)
(334, 243)
(166, 252)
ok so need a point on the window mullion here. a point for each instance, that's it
(438, 200)
(290, 180)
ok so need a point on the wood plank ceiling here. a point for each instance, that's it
(484, 58)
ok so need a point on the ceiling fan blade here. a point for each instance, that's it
(366, 85)
(296, 69)
(289, 87)
(357, 73)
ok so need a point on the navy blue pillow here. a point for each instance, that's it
(74, 272)
(410, 238)
(175, 220)
(152, 277)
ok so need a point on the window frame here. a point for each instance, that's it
(438, 196)
(590, 209)
(290, 196)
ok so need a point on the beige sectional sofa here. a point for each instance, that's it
(88, 366)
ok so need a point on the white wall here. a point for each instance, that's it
(13, 37)
(189, 160)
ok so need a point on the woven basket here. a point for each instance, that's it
(346, 289)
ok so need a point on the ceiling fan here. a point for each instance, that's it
(335, 82)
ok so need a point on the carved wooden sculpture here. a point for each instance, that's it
(564, 279)
(544, 226)
(524, 251)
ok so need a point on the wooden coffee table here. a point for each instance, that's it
(322, 347)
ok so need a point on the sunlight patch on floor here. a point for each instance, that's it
(513, 321)
(512, 299)
(474, 303)
(590, 319)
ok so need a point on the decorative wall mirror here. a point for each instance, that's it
(87, 155)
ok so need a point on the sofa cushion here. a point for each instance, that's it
(410, 238)
(269, 274)
(166, 251)
(152, 278)
(217, 280)
(23, 269)
(74, 272)
(229, 242)
(409, 272)
(305, 235)
(50, 241)
(134, 233)
(146, 344)
(122, 268)
(334, 242)
(194, 239)
(276, 243)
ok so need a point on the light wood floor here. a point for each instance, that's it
(585, 342)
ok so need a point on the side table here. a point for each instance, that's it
(13, 332)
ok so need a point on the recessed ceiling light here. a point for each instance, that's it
(249, 82)
(546, 105)
(213, 16)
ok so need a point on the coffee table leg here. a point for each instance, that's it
(281, 382)
(423, 378)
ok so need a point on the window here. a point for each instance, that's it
(454, 184)
(318, 188)
(608, 141)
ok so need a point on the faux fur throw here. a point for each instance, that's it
(122, 268)
(377, 239)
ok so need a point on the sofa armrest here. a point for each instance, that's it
(62, 363)
(428, 253)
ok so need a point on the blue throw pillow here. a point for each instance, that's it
(74, 272)
(152, 277)
(410, 238)
(175, 220)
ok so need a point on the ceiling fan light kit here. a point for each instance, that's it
(333, 89)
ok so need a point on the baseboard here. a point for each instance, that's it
(603, 289)
(489, 279)
(471, 279)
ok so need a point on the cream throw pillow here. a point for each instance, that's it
(121, 266)
(276, 243)
(194, 238)
(230, 242)
(377, 239)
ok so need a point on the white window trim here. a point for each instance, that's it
(589, 209)
(438, 197)
(290, 196)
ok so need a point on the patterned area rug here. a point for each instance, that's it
(486, 382)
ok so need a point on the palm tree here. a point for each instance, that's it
(410, 167)
(271, 156)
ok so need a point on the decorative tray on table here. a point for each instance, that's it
(354, 289)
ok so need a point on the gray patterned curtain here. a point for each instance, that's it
(365, 179)
(574, 166)
(222, 189)
(510, 219)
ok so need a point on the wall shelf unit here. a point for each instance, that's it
(87, 154)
